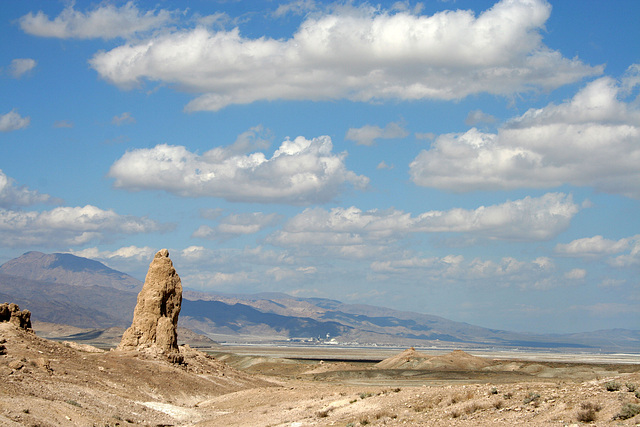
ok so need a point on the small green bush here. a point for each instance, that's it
(629, 410)
(531, 397)
(630, 387)
(613, 386)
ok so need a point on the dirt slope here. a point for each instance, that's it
(47, 383)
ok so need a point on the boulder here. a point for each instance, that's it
(10, 312)
(155, 317)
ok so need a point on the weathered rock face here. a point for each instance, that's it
(155, 318)
(10, 312)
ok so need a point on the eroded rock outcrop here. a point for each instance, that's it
(155, 318)
(10, 312)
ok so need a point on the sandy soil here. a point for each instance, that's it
(46, 383)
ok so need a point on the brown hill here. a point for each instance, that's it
(69, 270)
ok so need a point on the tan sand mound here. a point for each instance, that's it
(408, 359)
(457, 360)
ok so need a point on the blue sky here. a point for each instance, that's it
(475, 160)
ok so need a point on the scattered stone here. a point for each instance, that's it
(82, 347)
(155, 318)
(10, 312)
(16, 365)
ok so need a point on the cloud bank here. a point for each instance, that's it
(355, 53)
(300, 172)
(68, 225)
(346, 229)
(592, 140)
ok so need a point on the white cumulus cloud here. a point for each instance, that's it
(13, 121)
(356, 53)
(452, 269)
(12, 196)
(592, 139)
(368, 134)
(21, 66)
(300, 171)
(237, 225)
(526, 219)
(68, 225)
(594, 246)
(105, 21)
(122, 119)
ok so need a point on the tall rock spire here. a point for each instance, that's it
(155, 318)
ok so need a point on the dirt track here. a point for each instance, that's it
(47, 383)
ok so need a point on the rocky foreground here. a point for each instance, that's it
(47, 383)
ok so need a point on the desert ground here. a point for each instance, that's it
(51, 383)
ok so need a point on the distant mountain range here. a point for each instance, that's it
(67, 289)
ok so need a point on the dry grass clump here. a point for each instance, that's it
(472, 407)
(588, 412)
(461, 397)
(498, 403)
(324, 413)
(533, 398)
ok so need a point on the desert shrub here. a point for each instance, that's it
(364, 421)
(590, 405)
(74, 403)
(365, 395)
(472, 407)
(324, 413)
(498, 404)
(508, 395)
(628, 410)
(613, 386)
(638, 394)
(630, 387)
(384, 414)
(493, 390)
(531, 397)
(586, 415)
